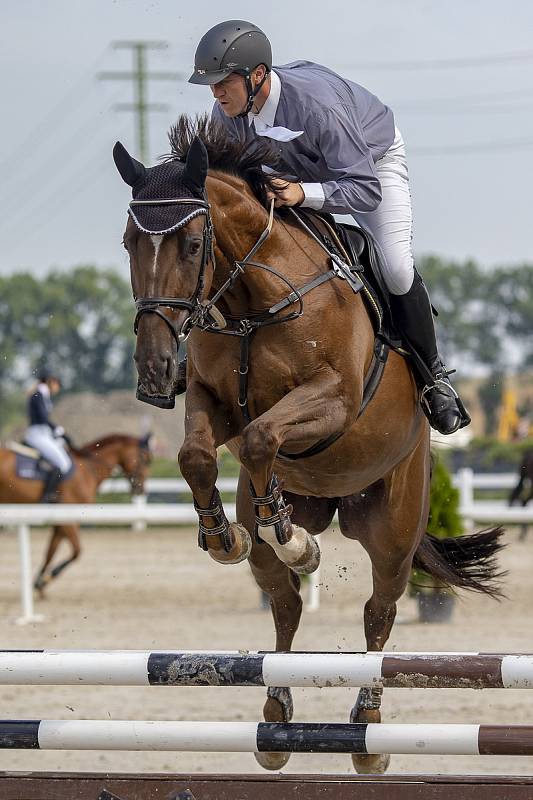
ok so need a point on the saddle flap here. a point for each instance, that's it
(23, 449)
(31, 468)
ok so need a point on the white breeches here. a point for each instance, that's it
(42, 438)
(392, 222)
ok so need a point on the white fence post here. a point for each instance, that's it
(466, 496)
(313, 593)
(139, 500)
(26, 588)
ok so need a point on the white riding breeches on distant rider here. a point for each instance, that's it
(42, 438)
(392, 222)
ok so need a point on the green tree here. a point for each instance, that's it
(77, 322)
(458, 291)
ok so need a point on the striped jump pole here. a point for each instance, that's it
(182, 668)
(249, 737)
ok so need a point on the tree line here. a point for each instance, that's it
(80, 322)
(77, 322)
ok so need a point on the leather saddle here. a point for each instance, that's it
(356, 247)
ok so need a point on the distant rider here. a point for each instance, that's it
(45, 436)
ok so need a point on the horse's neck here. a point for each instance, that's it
(238, 222)
(102, 461)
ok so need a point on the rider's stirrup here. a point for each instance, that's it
(442, 405)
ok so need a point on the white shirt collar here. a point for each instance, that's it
(44, 390)
(267, 114)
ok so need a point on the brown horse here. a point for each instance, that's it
(93, 464)
(523, 491)
(300, 384)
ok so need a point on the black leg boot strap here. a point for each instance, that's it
(280, 514)
(221, 524)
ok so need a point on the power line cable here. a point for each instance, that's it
(483, 97)
(474, 110)
(467, 62)
(59, 155)
(140, 76)
(47, 126)
(479, 147)
(86, 182)
(72, 180)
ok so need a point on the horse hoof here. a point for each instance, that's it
(309, 561)
(41, 582)
(278, 708)
(272, 761)
(241, 549)
(371, 764)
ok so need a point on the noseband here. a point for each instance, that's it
(193, 304)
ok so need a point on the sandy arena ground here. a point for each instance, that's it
(157, 590)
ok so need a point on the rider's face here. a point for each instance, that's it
(231, 94)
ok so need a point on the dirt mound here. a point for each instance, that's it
(85, 416)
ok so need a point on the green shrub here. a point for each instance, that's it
(444, 520)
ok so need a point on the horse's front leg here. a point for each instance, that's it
(207, 427)
(307, 415)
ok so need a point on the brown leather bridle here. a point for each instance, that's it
(193, 304)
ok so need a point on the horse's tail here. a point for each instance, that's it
(468, 562)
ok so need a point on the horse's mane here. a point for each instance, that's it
(226, 154)
(92, 448)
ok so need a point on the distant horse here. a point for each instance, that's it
(523, 491)
(93, 464)
(277, 371)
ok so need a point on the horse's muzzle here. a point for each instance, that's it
(159, 400)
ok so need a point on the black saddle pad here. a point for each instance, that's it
(35, 469)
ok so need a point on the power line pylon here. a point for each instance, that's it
(140, 77)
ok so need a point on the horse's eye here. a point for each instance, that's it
(194, 248)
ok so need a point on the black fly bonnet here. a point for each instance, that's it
(165, 199)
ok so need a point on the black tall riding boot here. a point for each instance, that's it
(51, 483)
(413, 316)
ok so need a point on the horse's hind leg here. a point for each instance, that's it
(389, 525)
(59, 532)
(379, 614)
(282, 586)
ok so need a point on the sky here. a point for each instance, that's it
(458, 76)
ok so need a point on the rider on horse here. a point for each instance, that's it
(45, 436)
(344, 155)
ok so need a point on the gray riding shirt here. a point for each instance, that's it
(339, 130)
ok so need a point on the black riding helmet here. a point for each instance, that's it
(232, 46)
(44, 374)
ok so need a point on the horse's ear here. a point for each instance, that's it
(131, 170)
(144, 442)
(196, 166)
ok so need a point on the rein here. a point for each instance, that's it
(204, 314)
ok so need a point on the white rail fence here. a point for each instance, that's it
(472, 510)
(139, 512)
